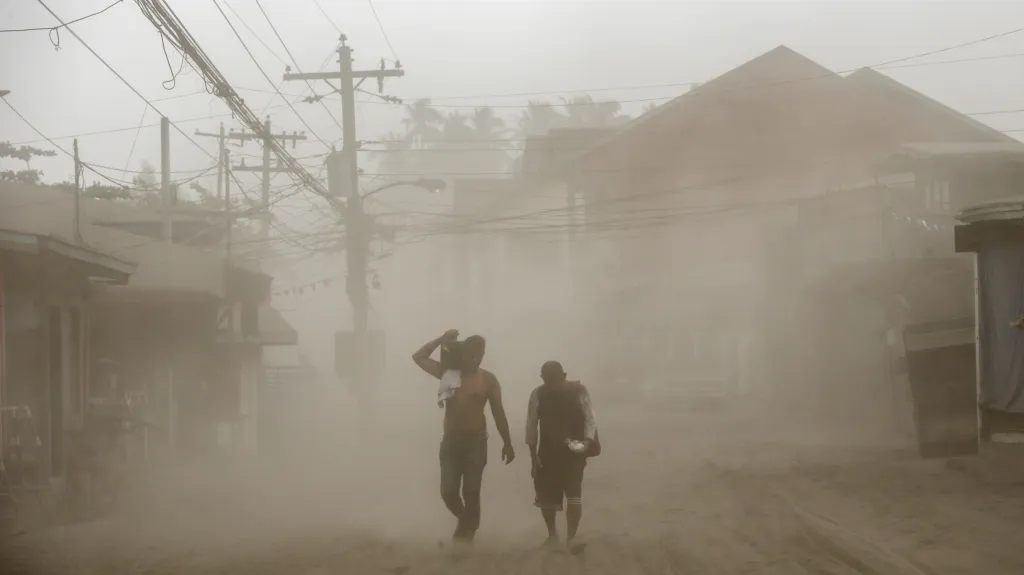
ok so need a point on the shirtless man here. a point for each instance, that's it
(464, 444)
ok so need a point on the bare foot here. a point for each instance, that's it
(575, 547)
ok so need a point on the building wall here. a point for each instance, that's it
(42, 294)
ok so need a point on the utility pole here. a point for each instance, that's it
(220, 158)
(228, 217)
(229, 223)
(357, 230)
(166, 202)
(78, 195)
(266, 169)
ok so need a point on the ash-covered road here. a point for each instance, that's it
(698, 494)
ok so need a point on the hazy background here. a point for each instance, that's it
(461, 55)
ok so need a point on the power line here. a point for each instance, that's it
(214, 116)
(329, 20)
(63, 24)
(260, 68)
(651, 86)
(520, 94)
(436, 140)
(380, 27)
(135, 140)
(294, 61)
(120, 77)
(56, 145)
(665, 98)
(255, 35)
(164, 18)
(224, 115)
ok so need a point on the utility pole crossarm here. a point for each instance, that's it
(248, 137)
(337, 76)
(261, 169)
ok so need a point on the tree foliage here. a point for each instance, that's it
(433, 142)
(25, 154)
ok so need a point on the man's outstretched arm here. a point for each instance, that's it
(422, 355)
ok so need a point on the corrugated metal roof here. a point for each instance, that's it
(1002, 209)
(777, 67)
(116, 268)
(1002, 150)
(45, 211)
(883, 85)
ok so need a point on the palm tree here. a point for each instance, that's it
(604, 114)
(486, 125)
(539, 117)
(422, 121)
(455, 128)
(578, 110)
(584, 112)
(487, 129)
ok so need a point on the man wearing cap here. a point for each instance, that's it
(561, 433)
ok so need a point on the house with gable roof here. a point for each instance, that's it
(702, 207)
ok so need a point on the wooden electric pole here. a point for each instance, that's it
(78, 195)
(266, 169)
(166, 201)
(220, 158)
(346, 183)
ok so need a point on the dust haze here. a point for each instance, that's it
(729, 261)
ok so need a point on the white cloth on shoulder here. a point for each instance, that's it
(450, 381)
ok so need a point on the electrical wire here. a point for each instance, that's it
(301, 97)
(63, 24)
(294, 61)
(162, 16)
(519, 139)
(120, 77)
(649, 86)
(327, 17)
(264, 73)
(380, 26)
(135, 140)
(56, 145)
(388, 141)
(255, 35)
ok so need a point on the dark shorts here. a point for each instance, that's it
(560, 479)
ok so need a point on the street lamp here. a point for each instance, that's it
(4, 93)
(431, 185)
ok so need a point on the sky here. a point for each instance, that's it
(464, 53)
(461, 54)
